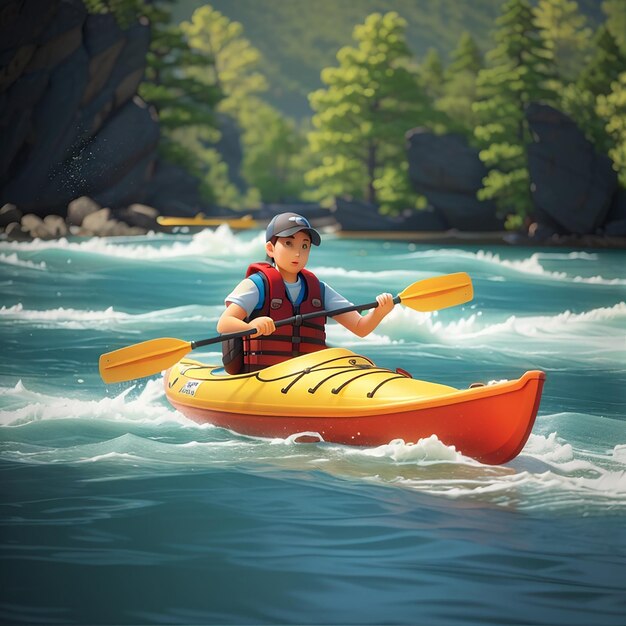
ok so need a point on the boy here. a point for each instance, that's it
(282, 289)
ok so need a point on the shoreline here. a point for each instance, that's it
(504, 238)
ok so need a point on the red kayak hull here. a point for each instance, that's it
(488, 426)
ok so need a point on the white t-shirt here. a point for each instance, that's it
(246, 294)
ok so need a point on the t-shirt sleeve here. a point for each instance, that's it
(245, 294)
(333, 300)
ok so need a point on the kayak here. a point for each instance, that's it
(335, 395)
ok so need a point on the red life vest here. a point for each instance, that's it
(287, 341)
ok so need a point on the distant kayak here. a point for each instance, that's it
(335, 395)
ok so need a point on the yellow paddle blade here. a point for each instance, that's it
(438, 292)
(142, 359)
(200, 219)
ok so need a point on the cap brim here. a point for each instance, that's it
(315, 236)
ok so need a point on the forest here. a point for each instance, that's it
(366, 84)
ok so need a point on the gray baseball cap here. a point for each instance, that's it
(287, 224)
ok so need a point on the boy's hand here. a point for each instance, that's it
(263, 325)
(385, 304)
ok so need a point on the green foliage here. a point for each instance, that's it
(459, 87)
(273, 153)
(170, 88)
(615, 11)
(605, 64)
(372, 98)
(431, 74)
(271, 144)
(236, 61)
(565, 34)
(612, 108)
(518, 74)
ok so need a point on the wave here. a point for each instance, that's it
(13, 259)
(529, 267)
(203, 246)
(108, 318)
(142, 435)
(597, 328)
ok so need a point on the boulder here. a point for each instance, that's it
(9, 213)
(62, 36)
(79, 209)
(13, 62)
(448, 171)
(616, 216)
(570, 182)
(131, 188)
(356, 215)
(56, 225)
(35, 186)
(104, 41)
(139, 215)
(15, 232)
(464, 211)
(97, 222)
(174, 191)
(22, 21)
(35, 227)
(229, 146)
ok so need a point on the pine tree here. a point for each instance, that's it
(612, 108)
(459, 89)
(180, 100)
(465, 58)
(605, 65)
(615, 11)
(270, 142)
(371, 99)
(518, 74)
(565, 33)
(431, 74)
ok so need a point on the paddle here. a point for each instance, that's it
(153, 356)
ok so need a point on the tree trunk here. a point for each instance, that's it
(370, 193)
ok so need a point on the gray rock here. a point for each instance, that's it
(448, 171)
(174, 191)
(443, 163)
(9, 213)
(356, 215)
(56, 225)
(132, 187)
(616, 228)
(62, 36)
(25, 92)
(22, 21)
(35, 226)
(97, 222)
(229, 146)
(465, 211)
(13, 62)
(15, 232)
(13, 136)
(570, 182)
(101, 33)
(55, 129)
(139, 215)
(79, 209)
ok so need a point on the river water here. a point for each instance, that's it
(116, 509)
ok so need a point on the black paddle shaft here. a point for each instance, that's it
(296, 320)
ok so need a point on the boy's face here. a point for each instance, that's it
(290, 254)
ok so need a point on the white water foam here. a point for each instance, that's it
(206, 244)
(530, 266)
(29, 406)
(109, 318)
(13, 259)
